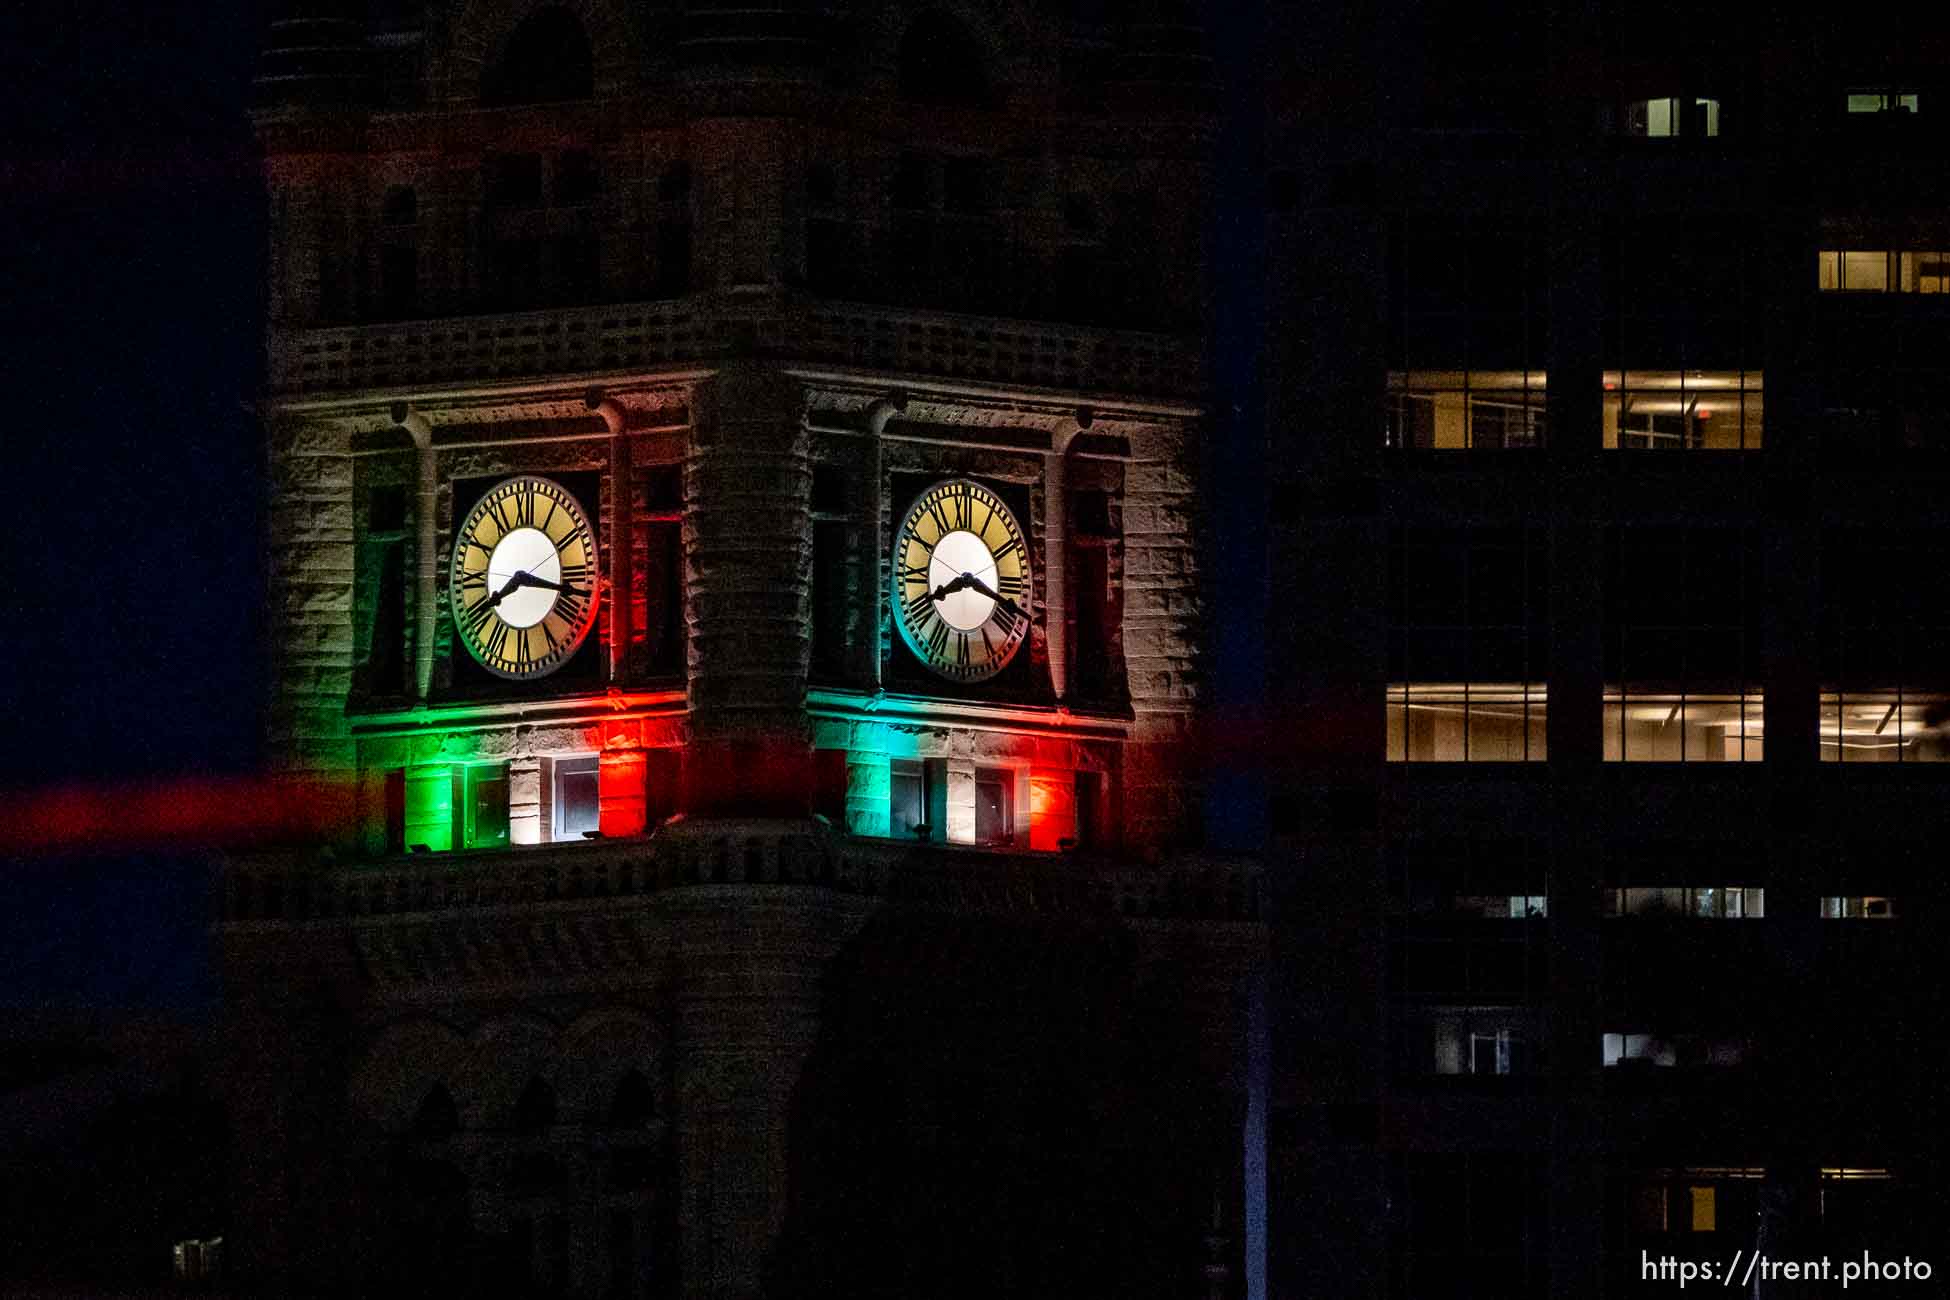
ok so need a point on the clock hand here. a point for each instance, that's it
(952, 586)
(983, 587)
(528, 579)
(506, 587)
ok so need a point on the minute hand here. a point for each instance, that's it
(983, 587)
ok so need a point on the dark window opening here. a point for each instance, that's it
(535, 1109)
(546, 59)
(399, 280)
(1091, 675)
(386, 653)
(514, 179)
(941, 63)
(829, 599)
(663, 589)
(437, 1116)
(578, 807)
(829, 786)
(634, 1105)
(829, 489)
(822, 186)
(576, 178)
(673, 256)
(518, 272)
(1089, 794)
(402, 206)
(674, 184)
(578, 268)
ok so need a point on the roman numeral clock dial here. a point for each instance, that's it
(961, 581)
(523, 585)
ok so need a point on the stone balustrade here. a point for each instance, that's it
(793, 854)
(648, 335)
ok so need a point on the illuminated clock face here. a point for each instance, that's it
(961, 581)
(523, 585)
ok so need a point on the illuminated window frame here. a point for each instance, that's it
(1465, 410)
(1891, 726)
(1882, 270)
(1694, 902)
(1672, 116)
(1488, 713)
(1684, 410)
(1704, 710)
(1857, 907)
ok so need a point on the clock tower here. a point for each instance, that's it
(735, 534)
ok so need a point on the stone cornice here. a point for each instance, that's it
(1065, 365)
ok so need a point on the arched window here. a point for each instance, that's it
(633, 1106)
(546, 59)
(535, 1111)
(941, 63)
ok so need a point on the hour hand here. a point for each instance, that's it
(971, 580)
(952, 586)
(528, 579)
(506, 587)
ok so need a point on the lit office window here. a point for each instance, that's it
(1456, 410)
(1865, 907)
(1683, 410)
(1672, 1051)
(577, 809)
(1672, 116)
(1848, 270)
(1882, 101)
(1493, 1042)
(1466, 722)
(1682, 728)
(1700, 902)
(1885, 727)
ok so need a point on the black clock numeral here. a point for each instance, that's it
(576, 534)
(961, 648)
(940, 518)
(475, 616)
(494, 508)
(918, 607)
(1005, 616)
(497, 641)
(573, 602)
(964, 506)
(914, 573)
(1006, 547)
(574, 573)
(988, 646)
(521, 648)
(525, 510)
(987, 519)
(937, 638)
(473, 581)
(1010, 586)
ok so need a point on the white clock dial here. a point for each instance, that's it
(523, 587)
(961, 581)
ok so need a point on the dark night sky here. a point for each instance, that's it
(133, 220)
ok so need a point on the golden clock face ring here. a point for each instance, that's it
(961, 580)
(522, 585)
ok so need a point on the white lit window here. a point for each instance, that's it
(1701, 902)
(995, 821)
(576, 806)
(1690, 1051)
(1672, 116)
(1877, 101)
(1857, 908)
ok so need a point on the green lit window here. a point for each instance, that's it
(484, 801)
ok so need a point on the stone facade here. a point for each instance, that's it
(736, 315)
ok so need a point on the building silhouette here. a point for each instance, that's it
(735, 478)
(1607, 449)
